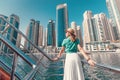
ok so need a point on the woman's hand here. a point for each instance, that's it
(91, 62)
(55, 59)
(59, 54)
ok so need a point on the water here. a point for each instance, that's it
(55, 71)
(92, 73)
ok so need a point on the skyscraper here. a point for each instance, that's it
(79, 35)
(45, 37)
(107, 28)
(40, 43)
(2, 26)
(12, 34)
(33, 34)
(99, 28)
(18, 44)
(2, 22)
(29, 34)
(78, 32)
(61, 23)
(96, 27)
(36, 32)
(51, 33)
(97, 31)
(114, 12)
(88, 27)
(74, 26)
(112, 33)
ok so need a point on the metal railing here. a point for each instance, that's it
(104, 66)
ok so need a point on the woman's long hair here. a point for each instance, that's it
(72, 37)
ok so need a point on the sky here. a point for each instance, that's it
(43, 10)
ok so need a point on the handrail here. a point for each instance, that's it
(25, 38)
(104, 66)
(21, 54)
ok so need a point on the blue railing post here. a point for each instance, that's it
(14, 66)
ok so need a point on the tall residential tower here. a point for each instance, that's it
(61, 23)
(114, 12)
(51, 33)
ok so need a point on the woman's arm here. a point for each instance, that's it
(89, 60)
(59, 54)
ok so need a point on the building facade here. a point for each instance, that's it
(30, 34)
(2, 22)
(61, 23)
(36, 32)
(74, 26)
(40, 42)
(79, 35)
(97, 29)
(51, 33)
(88, 27)
(114, 12)
(45, 37)
(12, 34)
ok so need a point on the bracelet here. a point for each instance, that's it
(88, 59)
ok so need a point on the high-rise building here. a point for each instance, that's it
(112, 33)
(12, 34)
(61, 23)
(107, 28)
(45, 37)
(51, 33)
(88, 27)
(99, 28)
(79, 35)
(97, 31)
(74, 26)
(96, 28)
(36, 32)
(2, 26)
(18, 44)
(103, 28)
(114, 12)
(78, 32)
(29, 34)
(40, 43)
(33, 33)
(2, 22)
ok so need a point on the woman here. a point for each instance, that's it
(73, 68)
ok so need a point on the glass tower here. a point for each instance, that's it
(114, 12)
(29, 34)
(36, 32)
(51, 33)
(2, 22)
(32, 33)
(2, 25)
(61, 23)
(12, 34)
